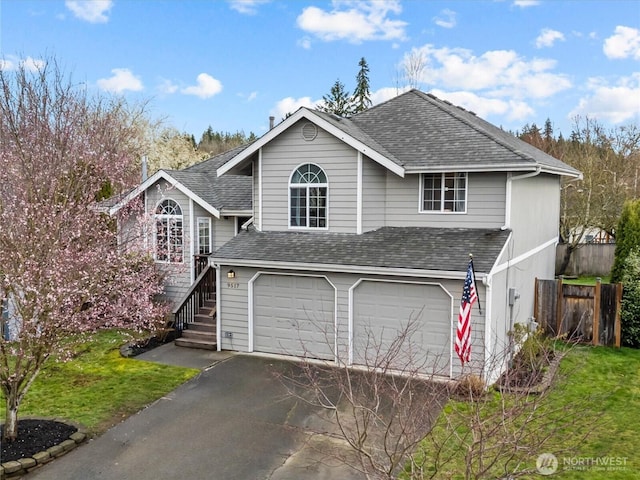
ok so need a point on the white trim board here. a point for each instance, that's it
(312, 117)
(162, 175)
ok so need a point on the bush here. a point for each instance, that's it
(627, 238)
(630, 315)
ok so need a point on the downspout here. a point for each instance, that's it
(507, 225)
(488, 340)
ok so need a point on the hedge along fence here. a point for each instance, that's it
(588, 259)
(577, 311)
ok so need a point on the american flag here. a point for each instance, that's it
(469, 296)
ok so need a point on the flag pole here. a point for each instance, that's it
(475, 284)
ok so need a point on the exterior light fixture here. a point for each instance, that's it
(231, 274)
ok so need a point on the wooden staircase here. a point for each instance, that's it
(201, 333)
(195, 317)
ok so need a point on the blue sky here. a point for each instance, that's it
(232, 64)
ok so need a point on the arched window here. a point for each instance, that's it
(169, 238)
(308, 197)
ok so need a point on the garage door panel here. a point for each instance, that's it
(294, 315)
(383, 310)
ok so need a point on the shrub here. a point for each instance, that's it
(470, 387)
(627, 238)
(630, 315)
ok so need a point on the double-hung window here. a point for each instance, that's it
(169, 235)
(444, 192)
(308, 197)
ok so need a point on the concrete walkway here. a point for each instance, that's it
(235, 420)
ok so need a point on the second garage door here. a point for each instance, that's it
(382, 310)
(294, 315)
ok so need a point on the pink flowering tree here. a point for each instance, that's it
(62, 272)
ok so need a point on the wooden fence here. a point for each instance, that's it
(588, 259)
(579, 311)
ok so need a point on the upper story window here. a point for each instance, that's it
(169, 235)
(443, 192)
(204, 235)
(308, 197)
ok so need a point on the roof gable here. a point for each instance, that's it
(416, 132)
(200, 183)
(336, 126)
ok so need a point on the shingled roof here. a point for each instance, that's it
(417, 132)
(433, 249)
(422, 132)
(228, 193)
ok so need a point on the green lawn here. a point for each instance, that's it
(598, 396)
(99, 388)
(586, 280)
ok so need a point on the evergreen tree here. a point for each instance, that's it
(213, 142)
(362, 96)
(338, 101)
(627, 238)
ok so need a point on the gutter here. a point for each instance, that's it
(363, 270)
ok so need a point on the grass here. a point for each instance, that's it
(99, 388)
(587, 280)
(598, 396)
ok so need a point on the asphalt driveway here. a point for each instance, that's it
(234, 421)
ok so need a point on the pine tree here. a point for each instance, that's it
(338, 101)
(362, 96)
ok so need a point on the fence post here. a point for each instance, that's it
(617, 326)
(560, 296)
(596, 313)
(535, 301)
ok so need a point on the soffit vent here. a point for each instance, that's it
(309, 131)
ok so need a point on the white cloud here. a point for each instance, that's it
(624, 43)
(207, 87)
(447, 19)
(92, 11)
(526, 3)
(354, 21)
(387, 93)
(501, 73)
(484, 106)
(123, 79)
(305, 43)
(252, 96)
(30, 64)
(291, 105)
(247, 7)
(614, 103)
(167, 87)
(548, 37)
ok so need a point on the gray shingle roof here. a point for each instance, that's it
(229, 192)
(388, 247)
(418, 131)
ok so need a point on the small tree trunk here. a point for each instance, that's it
(11, 418)
(566, 259)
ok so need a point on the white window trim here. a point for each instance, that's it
(156, 217)
(307, 185)
(441, 211)
(208, 221)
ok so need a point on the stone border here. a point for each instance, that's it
(28, 464)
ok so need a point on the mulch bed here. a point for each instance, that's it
(524, 375)
(34, 435)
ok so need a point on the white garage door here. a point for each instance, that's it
(294, 315)
(383, 310)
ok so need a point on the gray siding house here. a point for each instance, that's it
(361, 228)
